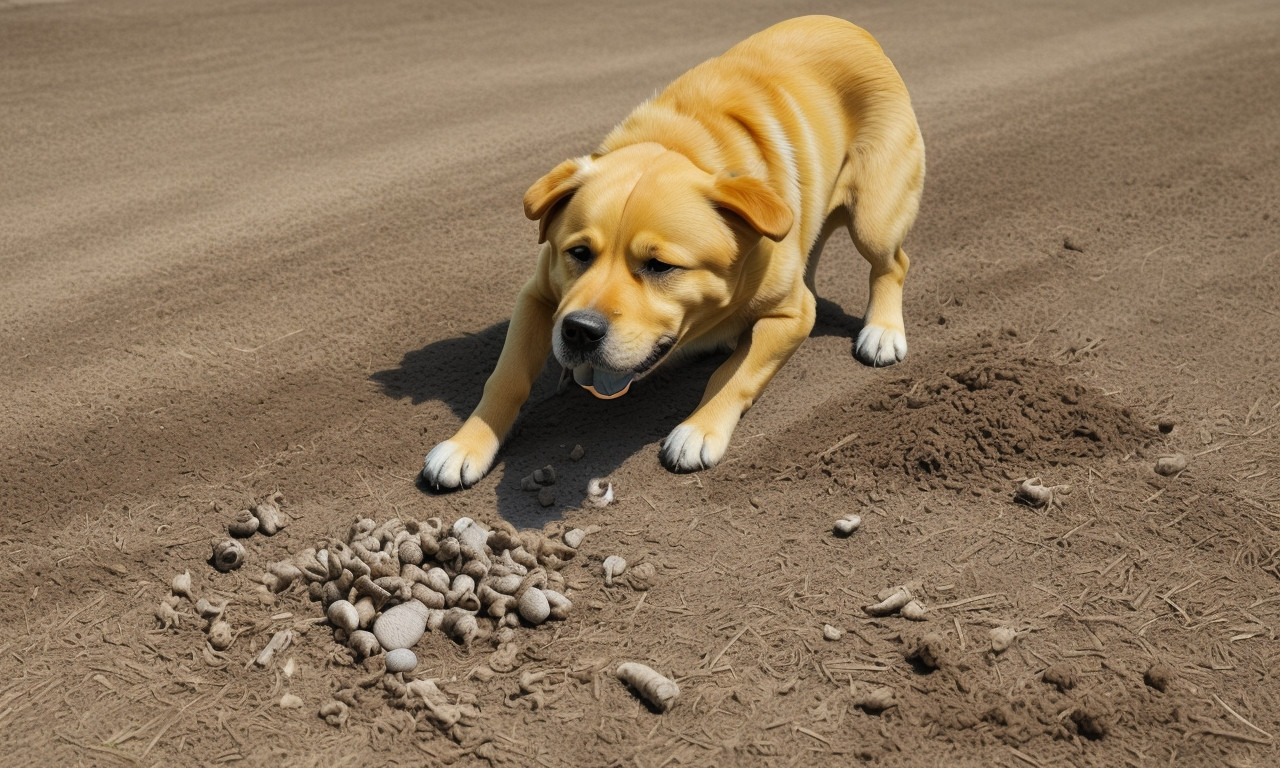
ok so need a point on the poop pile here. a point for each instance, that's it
(388, 583)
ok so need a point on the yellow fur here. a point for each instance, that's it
(735, 175)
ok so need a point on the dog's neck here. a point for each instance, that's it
(659, 122)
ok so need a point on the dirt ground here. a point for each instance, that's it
(258, 247)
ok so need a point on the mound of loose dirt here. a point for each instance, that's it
(991, 410)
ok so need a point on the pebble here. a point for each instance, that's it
(831, 633)
(290, 701)
(401, 660)
(845, 526)
(547, 496)
(401, 626)
(534, 606)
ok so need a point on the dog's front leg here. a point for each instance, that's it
(465, 458)
(700, 441)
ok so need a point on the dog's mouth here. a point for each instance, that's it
(607, 385)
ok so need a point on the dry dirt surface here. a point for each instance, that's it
(250, 248)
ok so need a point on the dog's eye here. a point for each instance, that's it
(580, 253)
(658, 267)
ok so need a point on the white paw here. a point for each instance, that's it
(688, 448)
(451, 465)
(880, 346)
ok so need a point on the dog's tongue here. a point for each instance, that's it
(605, 385)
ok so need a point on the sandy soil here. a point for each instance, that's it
(255, 247)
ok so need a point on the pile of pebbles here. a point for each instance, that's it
(388, 583)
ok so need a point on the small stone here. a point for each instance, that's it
(401, 626)
(574, 537)
(1002, 638)
(545, 476)
(547, 496)
(614, 565)
(270, 520)
(534, 606)
(577, 453)
(244, 526)
(1170, 465)
(220, 637)
(401, 660)
(642, 577)
(289, 701)
(831, 633)
(845, 526)
(755, 501)
(1165, 426)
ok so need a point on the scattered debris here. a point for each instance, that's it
(930, 650)
(599, 492)
(876, 700)
(279, 641)
(334, 713)
(613, 566)
(1002, 638)
(915, 611)
(891, 600)
(1170, 465)
(290, 701)
(220, 636)
(660, 692)
(244, 525)
(641, 577)
(182, 585)
(846, 525)
(1033, 494)
(228, 555)
(270, 520)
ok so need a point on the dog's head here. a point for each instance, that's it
(644, 248)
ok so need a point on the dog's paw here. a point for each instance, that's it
(454, 465)
(879, 346)
(689, 448)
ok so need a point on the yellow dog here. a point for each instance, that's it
(697, 225)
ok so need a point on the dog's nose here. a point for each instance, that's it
(584, 329)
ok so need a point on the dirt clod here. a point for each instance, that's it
(1091, 718)
(1061, 675)
(931, 650)
(1158, 676)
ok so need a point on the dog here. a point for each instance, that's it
(697, 225)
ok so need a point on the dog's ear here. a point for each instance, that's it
(546, 192)
(756, 203)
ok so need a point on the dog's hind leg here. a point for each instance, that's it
(884, 196)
